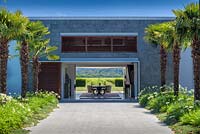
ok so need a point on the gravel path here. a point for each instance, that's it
(100, 118)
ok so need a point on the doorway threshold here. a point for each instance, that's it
(98, 100)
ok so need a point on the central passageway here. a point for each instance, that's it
(100, 118)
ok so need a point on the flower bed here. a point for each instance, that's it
(181, 113)
(16, 113)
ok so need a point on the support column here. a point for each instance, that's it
(70, 69)
(133, 72)
(136, 79)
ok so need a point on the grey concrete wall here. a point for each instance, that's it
(186, 69)
(147, 54)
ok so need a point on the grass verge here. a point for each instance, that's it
(179, 128)
(17, 113)
(181, 113)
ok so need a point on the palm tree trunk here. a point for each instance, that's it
(3, 65)
(0, 66)
(36, 70)
(24, 61)
(0, 74)
(163, 65)
(176, 62)
(196, 66)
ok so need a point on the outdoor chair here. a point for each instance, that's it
(89, 88)
(108, 89)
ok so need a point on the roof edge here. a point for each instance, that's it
(100, 18)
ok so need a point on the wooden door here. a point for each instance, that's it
(50, 77)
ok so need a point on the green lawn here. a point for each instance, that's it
(103, 81)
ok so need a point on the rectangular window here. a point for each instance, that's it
(99, 43)
(73, 41)
(93, 41)
(118, 41)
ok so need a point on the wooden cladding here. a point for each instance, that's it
(99, 43)
(50, 77)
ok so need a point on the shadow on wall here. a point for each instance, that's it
(14, 71)
(186, 69)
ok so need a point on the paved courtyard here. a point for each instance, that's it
(100, 118)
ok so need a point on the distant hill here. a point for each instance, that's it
(99, 72)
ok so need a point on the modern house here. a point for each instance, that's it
(103, 42)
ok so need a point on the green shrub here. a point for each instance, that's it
(152, 89)
(111, 80)
(144, 99)
(191, 118)
(161, 101)
(158, 101)
(119, 82)
(149, 90)
(96, 81)
(13, 114)
(4, 98)
(103, 81)
(80, 82)
(197, 103)
(181, 112)
(17, 112)
(183, 105)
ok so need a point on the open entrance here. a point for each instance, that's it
(100, 82)
(64, 78)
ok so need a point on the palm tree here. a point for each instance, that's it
(155, 35)
(23, 41)
(188, 27)
(39, 48)
(11, 25)
(174, 44)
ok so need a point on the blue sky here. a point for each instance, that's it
(95, 7)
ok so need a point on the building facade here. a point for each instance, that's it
(101, 41)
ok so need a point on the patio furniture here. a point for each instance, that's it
(108, 89)
(89, 88)
(99, 90)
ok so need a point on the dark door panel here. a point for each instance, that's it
(50, 77)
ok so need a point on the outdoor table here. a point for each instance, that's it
(99, 89)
